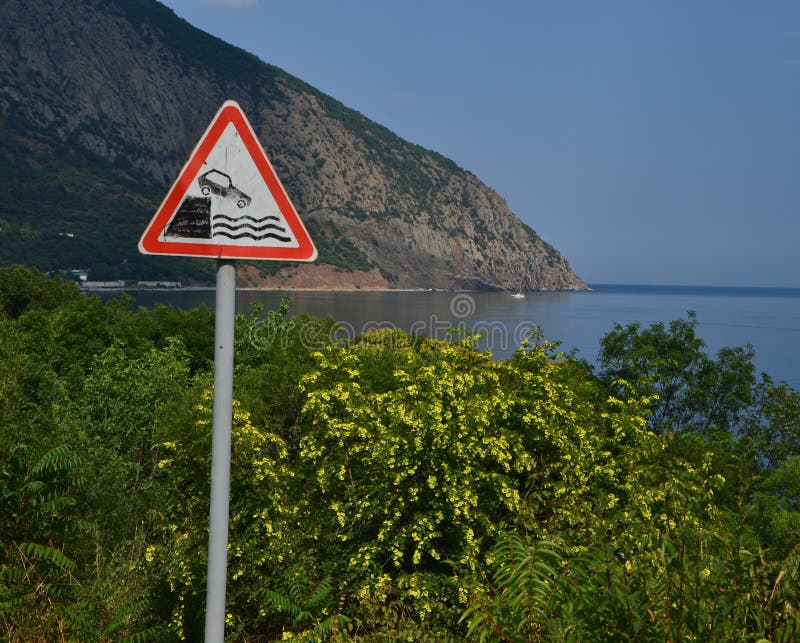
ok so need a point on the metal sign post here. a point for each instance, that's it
(227, 203)
(221, 451)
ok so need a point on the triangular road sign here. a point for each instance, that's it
(228, 203)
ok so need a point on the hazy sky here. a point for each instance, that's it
(650, 142)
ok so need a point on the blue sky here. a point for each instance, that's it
(650, 142)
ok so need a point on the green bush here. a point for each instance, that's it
(387, 488)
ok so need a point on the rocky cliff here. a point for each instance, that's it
(102, 100)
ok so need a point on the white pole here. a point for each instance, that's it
(221, 451)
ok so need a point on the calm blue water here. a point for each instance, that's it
(767, 318)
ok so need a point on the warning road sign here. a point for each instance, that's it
(227, 202)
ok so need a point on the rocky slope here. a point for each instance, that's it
(101, 101)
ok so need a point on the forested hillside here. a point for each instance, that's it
(101, 103)
(390, 487)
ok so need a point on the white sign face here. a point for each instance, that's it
(228, 202)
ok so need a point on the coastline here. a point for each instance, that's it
(318, 278)
(318, 289)
(664, 289)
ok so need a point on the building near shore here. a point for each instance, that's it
(103, 285)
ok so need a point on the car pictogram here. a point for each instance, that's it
(216, 182)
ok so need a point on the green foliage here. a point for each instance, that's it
(22, 290)
(694, 392)
(775, 426)
(260, 516)
(341, 253)
(426, 463)
(77, 378)
(776, 508)
(682, 576)
(388, 488)
(37, 505)
(306, 604)
(517, 601)
(199, 49)
(123, 405)
(114, 603)
(784, 600)
(194, 329)
(402, 461)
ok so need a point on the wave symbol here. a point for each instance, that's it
(248, 227)
(250, 235)
(245, 217)
(255, 228)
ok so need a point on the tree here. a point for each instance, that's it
(37, 505)
(695, 392)
(23, 289)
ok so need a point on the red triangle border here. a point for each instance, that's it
(230, 112)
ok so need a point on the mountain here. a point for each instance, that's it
(102, 100)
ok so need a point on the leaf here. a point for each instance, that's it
(46, 553)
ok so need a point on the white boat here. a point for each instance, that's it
(518, 295)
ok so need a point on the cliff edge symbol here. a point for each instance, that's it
(194, 220)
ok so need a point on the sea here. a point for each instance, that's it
(766, 318)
